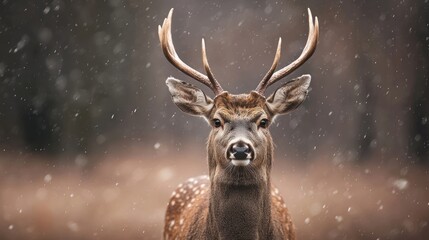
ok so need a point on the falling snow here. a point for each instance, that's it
(92, 145)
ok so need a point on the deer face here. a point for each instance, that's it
(239, 144)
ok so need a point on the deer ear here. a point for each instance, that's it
(189, 98)
(289, 96)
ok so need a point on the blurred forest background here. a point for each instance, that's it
(91, 145)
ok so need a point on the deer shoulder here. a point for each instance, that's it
(187, 208)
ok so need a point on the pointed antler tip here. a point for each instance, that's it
(170, 16)
(160, 33)
(278, 51)
(203, 51)
(310, 16)
(203, 48)
(316, 25)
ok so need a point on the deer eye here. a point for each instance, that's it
(263, 123)
(217, 123)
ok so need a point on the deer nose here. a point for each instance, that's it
(240, 153)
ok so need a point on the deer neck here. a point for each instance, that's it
(239, 211)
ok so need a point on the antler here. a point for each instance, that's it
(272, 77)
(165, 38)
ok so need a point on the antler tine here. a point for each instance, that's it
(216, 86)
(263, 84)
(307, 52)
(167, 45)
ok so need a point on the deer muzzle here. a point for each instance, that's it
(240, 153)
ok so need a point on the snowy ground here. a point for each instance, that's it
(124, 197)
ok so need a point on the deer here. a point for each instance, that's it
(237, 199)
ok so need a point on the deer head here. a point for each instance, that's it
(240, 144)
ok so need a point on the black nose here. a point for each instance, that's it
(241, 151)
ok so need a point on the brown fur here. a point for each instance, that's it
(187, 211)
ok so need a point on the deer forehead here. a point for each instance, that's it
(240, 105)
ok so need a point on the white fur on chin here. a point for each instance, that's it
(240, 162)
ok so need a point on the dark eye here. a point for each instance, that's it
(263, 123)
(217, 123)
